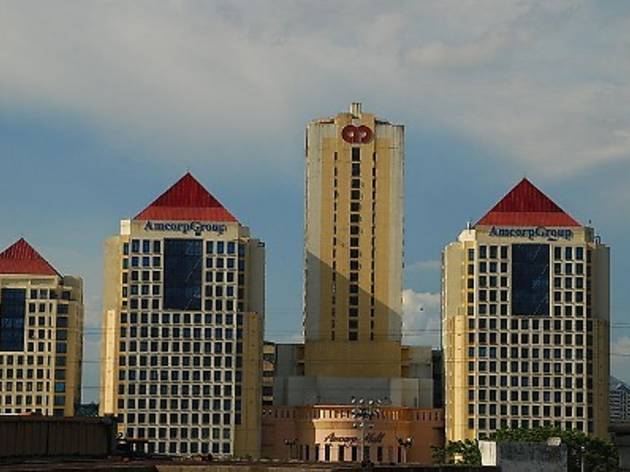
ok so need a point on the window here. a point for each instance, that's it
(182, 274)
(530, 279)
(12, 311)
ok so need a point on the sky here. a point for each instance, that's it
(104, 105)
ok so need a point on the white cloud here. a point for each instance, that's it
(474, 53)
(542, 82)
(421, 318)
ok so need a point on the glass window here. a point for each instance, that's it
(12, 311)
(182, 274)
(579, 253)
(530, 279)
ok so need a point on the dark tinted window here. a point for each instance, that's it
(530, 279)
(182, 274)
(12, 308)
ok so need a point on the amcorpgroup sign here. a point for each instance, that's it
(532, 233)
(186, 227)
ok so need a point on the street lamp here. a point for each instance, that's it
(405, 443)
(364, 412)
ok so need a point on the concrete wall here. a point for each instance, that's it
(524, 457)
(301, 390)
(45, 437)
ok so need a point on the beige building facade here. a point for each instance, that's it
(352, 310)
(353, 246)
(526, 321)
(41, 335)
(326, 433)
(183, 327)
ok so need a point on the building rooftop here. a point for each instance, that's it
(526, 205)
(21, 258)
(188, 200)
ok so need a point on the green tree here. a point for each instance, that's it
(457, 452)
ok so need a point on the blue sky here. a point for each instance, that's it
(103, 105)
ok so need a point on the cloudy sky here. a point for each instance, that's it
(103, 105)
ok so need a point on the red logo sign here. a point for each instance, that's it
(356, 134)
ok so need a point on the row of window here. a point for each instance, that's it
(47, 321)
(524, 338)
(483, 395)
(218, 333)
(184, 361)
(174, 432)
(526, 324)
(226, 376)
(49, 294)
(568, 268)
(503, 310)
(144, 303)
(154, 246)
(176, 404)
(502, 252)
(155, 262)
(25, 374)
(492, 424)
(194, 390)
(193, 419)
(62, 308)
(494, 281)
(183, 447)
(217, 290)
(491, 352)
(559, 397)
(32, 400)
(181, 318)
(21, 359)
(524, 381)
(176, 347)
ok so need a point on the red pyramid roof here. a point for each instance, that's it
(21, 258)
(526, 205)
(187, 199)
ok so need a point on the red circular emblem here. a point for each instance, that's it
(356, 134)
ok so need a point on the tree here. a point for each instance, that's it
(457, 452)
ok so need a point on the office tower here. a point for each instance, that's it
(352, 311)
(41, 335)
(353, 245)
(526, 321)
(183, 323)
